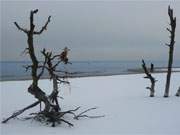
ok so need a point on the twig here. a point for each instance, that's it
(82, 114)
(69, 112)
(20, 28)
(67, 122)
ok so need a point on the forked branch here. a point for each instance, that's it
(150, 77)
(14, 115)
(82, 114)
(44, 27)
(20, 28)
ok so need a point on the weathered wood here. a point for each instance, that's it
(34, 89)
(51, 67)
(14, 115)
(51, 113)
(171, 30)
(150, 77)
(83, 115)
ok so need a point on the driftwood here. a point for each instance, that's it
(171, 30)
(150, 77)
(17, 113)
(52, 70)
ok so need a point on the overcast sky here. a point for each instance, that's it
(96, 30)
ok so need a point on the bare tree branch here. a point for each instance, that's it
(171, 49)
(19, 28)
(26, 51)
(168, 30)
(67, 122)
(55, 65)
(27, 67)
(21, 111)
(43, 67)
(62, 81)
(55, 56)
(69, 112)
(82, 114)
(167, 44)
(44, 27)
(149, 76)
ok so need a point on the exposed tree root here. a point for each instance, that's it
(15, 114)
(52, 113)
(54, 118)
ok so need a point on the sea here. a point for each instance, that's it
(14, 70)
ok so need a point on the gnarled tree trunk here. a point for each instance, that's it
(33, 88)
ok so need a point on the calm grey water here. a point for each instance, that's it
(15, 71)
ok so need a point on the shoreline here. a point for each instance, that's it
(78, 76)
(128, 72)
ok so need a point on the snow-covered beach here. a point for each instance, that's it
(90, 67)
(123, 100)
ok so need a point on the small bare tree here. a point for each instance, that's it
(171, 49)
(34, 89)
(150, 77)
(52, 112)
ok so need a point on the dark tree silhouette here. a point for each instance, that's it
(178, 92)
(150, 77)
(152, 68)
(52, 112)
(171, 49)
(34, 89)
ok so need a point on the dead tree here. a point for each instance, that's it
(33, 88)
(53, 72)
(52, 113)
(150, 77)
(178, 92)
(171, 30)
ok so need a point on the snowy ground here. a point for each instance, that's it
(123, 100)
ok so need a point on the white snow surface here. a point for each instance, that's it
(123, 100)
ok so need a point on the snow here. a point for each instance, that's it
(123, 100)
